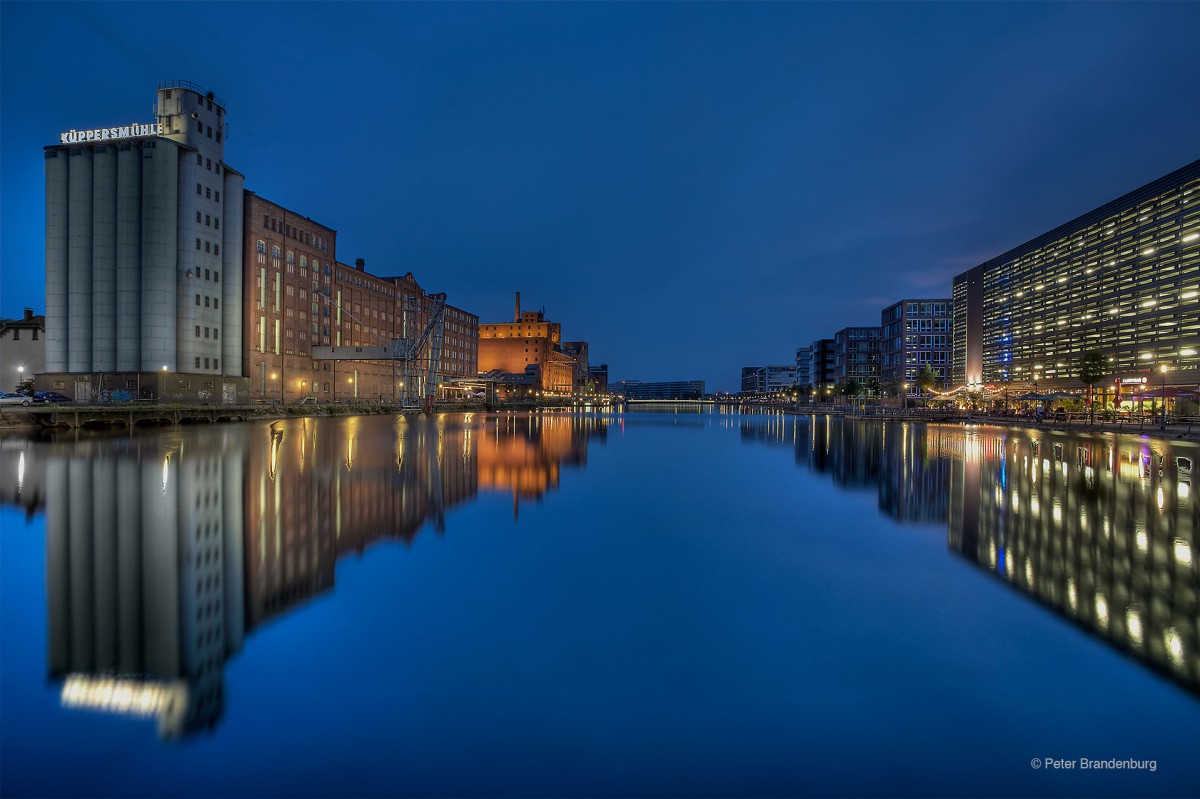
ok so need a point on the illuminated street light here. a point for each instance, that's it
(1163, 424)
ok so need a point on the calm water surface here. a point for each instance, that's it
(638, 604)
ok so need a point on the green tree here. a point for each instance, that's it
(1093, 366)
(927, 380)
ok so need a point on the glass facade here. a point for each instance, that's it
(1124, 280)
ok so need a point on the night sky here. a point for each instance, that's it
(690, 187)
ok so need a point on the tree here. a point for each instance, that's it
(927, 380)
(1093, 366)
(850, 388)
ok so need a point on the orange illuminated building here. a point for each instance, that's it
(528, 345)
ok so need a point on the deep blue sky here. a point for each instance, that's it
(690, 187)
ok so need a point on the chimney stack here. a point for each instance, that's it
(360, 264)
(28, 314)
(517, 316)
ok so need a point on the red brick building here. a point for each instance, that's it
(528, 342)
(297, 295)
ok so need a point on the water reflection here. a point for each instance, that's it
(1100, 528)
(907, 464)
(165, 550)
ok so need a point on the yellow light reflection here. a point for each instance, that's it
(1183, 552)
(1101, 610)
(1174, 646)
(1133, 623)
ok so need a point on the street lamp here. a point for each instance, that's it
(1163, 424)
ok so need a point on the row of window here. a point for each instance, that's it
(202, 161)
(215, 302)
(213, 275)
(284, 229)
(215, 332)
(207, 129)
(207, 192)
(216, 363)
(215, 249)
(208, 221)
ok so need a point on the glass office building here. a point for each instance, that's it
(1123, 279)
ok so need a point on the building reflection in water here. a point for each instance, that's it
(1099, 528)
(165, 549)
(908, 465)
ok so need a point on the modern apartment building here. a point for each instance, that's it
(768, 379)
(822, 365)
(664, 390)
(1123, 279)
(143, 249)
(804, 380)
(856, 355)
(915, 334)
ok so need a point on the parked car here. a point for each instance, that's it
(50, 396)
(9, 398)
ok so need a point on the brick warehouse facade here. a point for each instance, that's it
(298, 295)
(528, 343)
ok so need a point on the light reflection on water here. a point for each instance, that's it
(168, 551)
(1100, 528)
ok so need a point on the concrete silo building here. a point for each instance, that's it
(144, 257)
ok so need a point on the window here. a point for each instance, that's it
(218, 197)
(209, 131)
(199, 190)
(207, 220)
(206, 274)
(216, 276)
(197, 244)
(262, 247)
(206, 363)
(197, 331)
(209, 164)
(199, 126)
(197, 299)
(207, 247)
(216, 363)
(199, 159)
(197, 361)
(206, 302)
(215, 332)
(216, 303)
(206, 332)
(208, 193)
(217, 223)
(197, 216)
